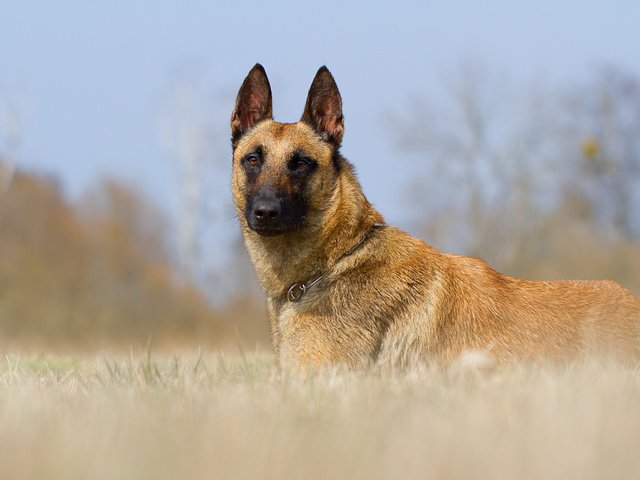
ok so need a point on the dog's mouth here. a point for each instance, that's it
(274, 230)
(268, 231)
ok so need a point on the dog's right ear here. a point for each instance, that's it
(253, 102)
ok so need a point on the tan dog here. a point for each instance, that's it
(343, 288)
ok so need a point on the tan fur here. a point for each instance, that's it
(396, 300)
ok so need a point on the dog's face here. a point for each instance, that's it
(284, 173)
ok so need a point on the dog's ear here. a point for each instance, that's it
(323, 110)
(253, 102)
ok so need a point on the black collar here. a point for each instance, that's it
(297, 290)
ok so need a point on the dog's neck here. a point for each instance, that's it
(302, 255)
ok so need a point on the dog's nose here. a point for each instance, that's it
(266, 210)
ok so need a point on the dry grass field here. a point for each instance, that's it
(214, 416)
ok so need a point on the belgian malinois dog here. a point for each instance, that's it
(345, 288)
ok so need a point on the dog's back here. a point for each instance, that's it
(445, 305)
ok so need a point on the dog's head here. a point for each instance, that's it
(283, 173)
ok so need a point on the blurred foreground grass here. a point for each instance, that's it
(215, 416)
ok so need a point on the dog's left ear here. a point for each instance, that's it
(323, 110)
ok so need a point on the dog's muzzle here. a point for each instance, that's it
(264, 216)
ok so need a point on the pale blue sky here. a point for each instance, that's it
(92, 77)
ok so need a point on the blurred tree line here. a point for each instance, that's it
(542, 183)
(100, 272)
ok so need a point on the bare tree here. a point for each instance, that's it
(10, 140)
(189, 136)
(479, 146)
(600, 131)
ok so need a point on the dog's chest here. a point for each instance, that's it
(301, 344)
(311, 338)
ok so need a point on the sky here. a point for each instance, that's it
(93, 80)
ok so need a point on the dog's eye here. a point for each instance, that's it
(252, 160)
(299, 163)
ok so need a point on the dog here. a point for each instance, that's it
(344, 288)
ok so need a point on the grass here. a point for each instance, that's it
(215, 416)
